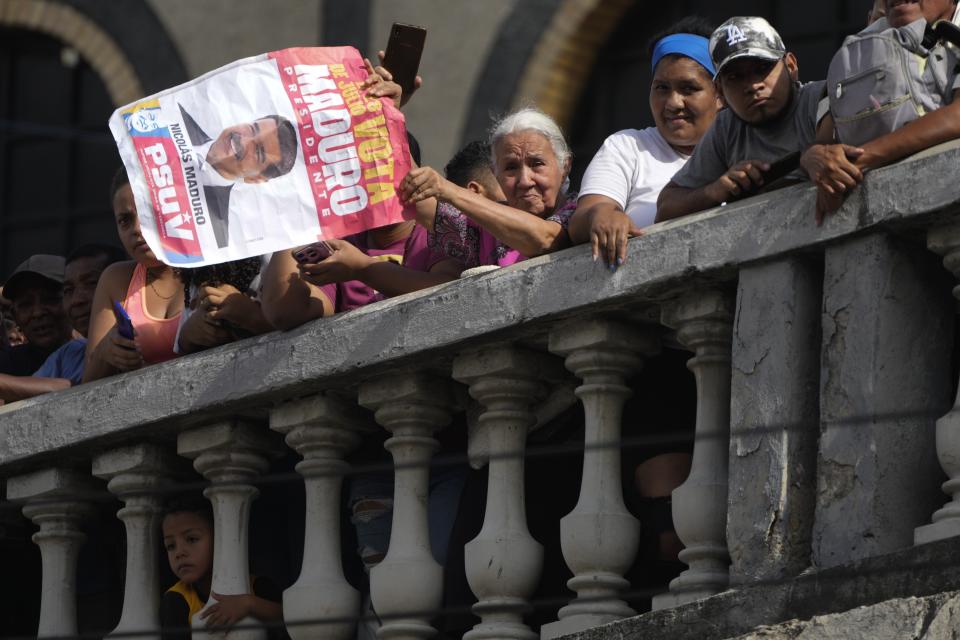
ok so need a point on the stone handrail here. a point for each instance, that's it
(417, 327)
(777, 365)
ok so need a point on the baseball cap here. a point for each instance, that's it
(43, 265)
(745, 37)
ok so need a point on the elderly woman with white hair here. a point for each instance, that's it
(530, 160)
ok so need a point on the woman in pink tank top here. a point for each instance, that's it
(150, 292)
(154, 336)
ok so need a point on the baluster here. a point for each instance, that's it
(945, 241)
(704, 323)
(135, 475)
(408, 581)
(230, 455)
(56, 503)
(599, 537)
(503, 563)
(323, 430)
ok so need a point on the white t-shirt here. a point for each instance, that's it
(631, 168)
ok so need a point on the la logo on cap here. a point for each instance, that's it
(735, 35)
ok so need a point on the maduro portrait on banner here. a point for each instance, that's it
(264, 154)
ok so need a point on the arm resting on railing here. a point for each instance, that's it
(527, 233)
(602, 222)
(13, 388)
(926, 131)
(389, 278)
(287, 300)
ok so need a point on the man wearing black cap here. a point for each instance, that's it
(64, 367)
(770, 116)
(35, 289)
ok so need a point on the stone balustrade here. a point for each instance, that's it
(821, 358)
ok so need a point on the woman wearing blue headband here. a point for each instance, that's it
(619, 192)
(618, 196)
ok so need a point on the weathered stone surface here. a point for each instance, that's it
(598, 333)
(887, 331)
(946, 621)
(599, 538)
(138, 458)
(786, 631)
(232, 435)
(927, 618)
(502, 361)
(945, 521)
(135, 474)
(774, 419)
(916, 572)
(320, 411)
(703, 318)
(414, 329)
(322, 429)
(51, 482)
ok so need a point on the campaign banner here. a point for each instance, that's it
(264, 154)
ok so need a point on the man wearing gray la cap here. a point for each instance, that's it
(770, 115)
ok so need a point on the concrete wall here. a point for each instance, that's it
(211, 33)
(459, 37)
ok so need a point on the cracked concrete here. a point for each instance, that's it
(930, 618)
(837, 481)
(774, 419)
(885, 376)
(910, 592)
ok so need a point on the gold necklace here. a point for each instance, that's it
(152, 286)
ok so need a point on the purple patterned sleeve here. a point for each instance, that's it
(454, 236)
(563, 213)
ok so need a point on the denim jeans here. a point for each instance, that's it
(371, 511)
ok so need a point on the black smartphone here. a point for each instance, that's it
(124, 325)
(775, 176)
(781, 168)
(403, 54)
(312, 253)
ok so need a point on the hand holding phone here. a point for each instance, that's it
(782, 167)
(124, 324)
(313, 253)
(404, 50)
(778, 170)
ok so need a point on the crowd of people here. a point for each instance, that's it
(732, 118)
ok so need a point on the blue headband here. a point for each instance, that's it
(685, 44)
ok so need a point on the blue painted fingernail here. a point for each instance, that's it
(619, 262)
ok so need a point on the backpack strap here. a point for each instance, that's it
(942, 30)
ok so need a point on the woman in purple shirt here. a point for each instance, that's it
(531, 161)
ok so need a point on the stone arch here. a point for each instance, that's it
(543, 54)
(564, 55)
(93, 43)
